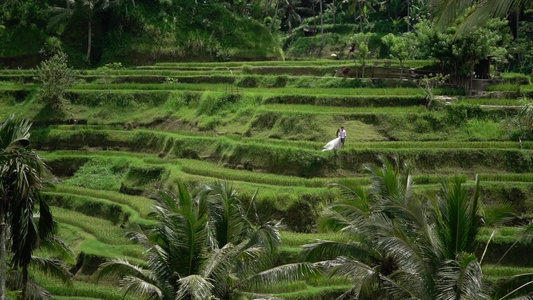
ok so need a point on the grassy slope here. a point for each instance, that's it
(262, 119)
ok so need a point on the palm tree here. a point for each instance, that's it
(449, 10)
(21, 178)
(290, 10)
(203, 245)
(405, 248)
(360, 10)
(275, 15)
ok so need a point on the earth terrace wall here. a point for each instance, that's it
(281, 160)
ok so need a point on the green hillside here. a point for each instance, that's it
(122, 135)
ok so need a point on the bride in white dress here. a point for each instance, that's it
(335, 144)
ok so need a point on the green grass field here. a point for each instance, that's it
(123, 134)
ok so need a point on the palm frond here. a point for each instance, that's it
(366, 279)
(59, 15)
(410, 260)
(346, 217)
(284, 273)
(461, 278)
(14, 134)
(53, 267)
(14, 281)
(33, 291)
(449, 10)
(355, 194)
(323, 250)
(514, 286)
(267, 236)
(404, 285)
(226, 213)
(58, 247)
(137, 286)
(217, 266)
(47, 226)
(194, 287)
(118, 268)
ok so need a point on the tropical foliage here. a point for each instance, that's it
(404, 247)
(203, 245)
(21, 179)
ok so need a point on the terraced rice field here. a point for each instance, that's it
(125, 133)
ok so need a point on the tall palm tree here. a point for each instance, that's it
(274, 18)
(360, 10)
(21, 178)
(203, 245)
(291, 9)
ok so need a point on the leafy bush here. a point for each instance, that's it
(458, 115)
(56, 77)
(361, 40)
(515, 78)
(401, 47)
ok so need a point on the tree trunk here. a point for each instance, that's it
(363, 71)
(322, 25)
(401, 72)
(3, 266)
(24, 281)
(275, 16)
(517, 24)
(334, 10)
(355, 6)
(360, 18)
(408, 16)
(290, 27)
(89, 40)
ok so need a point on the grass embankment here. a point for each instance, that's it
(295, 63)
(286, 160)
(275, 116)
(261, 133)
(80, 290)
(279, 197)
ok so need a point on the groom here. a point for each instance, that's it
(342, 135)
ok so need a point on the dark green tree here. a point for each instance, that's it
(21, 179)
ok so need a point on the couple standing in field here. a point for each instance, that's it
(337, 143)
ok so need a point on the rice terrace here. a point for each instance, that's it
(266, 149)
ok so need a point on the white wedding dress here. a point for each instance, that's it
(335, 144)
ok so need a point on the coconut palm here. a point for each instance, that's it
(449, 10)
(403, 247)
(291, 11)
(203, 245)
(274, 18)
(361, 9)
(21, 178)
